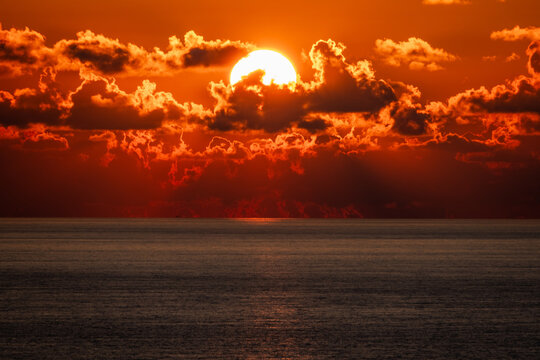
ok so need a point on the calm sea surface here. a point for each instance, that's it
(269, 289)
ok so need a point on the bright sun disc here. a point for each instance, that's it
(276, 67)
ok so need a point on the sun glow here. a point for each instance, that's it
(277, 68)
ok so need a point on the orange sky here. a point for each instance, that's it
(403, 109)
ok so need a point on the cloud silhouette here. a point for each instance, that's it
(24, 51)
(341, 142)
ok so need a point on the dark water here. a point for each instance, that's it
(241, 289)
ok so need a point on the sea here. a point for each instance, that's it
(269, 289)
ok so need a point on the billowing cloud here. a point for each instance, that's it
(521, 95)
(96, 104)
(99, 105)
(44, 104)
(500, 115)
(517, 33)
(199, 52)
(409, 120)
(110, 56)
(22, 51)
(284, 175)
(341, 142)
(338, 87)
(341, 86)
(418, 54)
(36, 137)
(252, 105)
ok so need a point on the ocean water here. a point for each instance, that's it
(269, 289)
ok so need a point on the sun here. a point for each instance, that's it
(277, 68)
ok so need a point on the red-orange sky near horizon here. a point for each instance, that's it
(402, 109)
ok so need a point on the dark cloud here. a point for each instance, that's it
(338, 87)
(252, 105)
(409, 120)
(100, 53)
(110, 56)
(96, 104)
(533, 52)
(195, 51)
(22, 51)
(209, 57)
(433, 181)
(213, 56)
(313, 125)
(44, 104)
(518, 96)
(333, 146)
(344, 87)
(94, 107)
(30, 106)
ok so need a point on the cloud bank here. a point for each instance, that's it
(341, 142)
